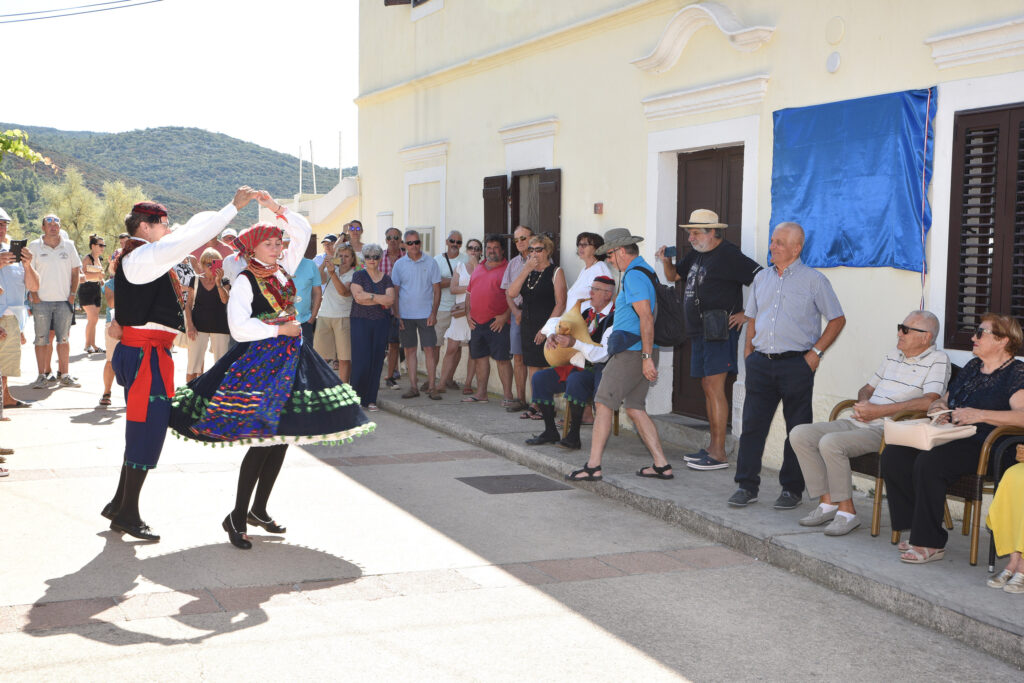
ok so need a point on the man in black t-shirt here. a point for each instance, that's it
(715, 272)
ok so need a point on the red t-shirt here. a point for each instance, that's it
(487, 298)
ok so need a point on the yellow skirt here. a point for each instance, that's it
(1006, 514)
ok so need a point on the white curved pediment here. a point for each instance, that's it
(691, 19)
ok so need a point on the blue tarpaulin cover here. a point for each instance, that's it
(851, 174)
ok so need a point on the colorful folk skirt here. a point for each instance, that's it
(270, 391)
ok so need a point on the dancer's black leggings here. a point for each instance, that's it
(259, 470)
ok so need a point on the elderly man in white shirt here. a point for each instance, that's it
(56, 260)
(909, 378)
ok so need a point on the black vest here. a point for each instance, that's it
(153, 302)
(600, 330)
(260, 305)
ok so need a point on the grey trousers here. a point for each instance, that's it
(824, 449)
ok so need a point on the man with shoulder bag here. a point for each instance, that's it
(715, 272)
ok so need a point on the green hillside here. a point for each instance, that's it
(187, 169)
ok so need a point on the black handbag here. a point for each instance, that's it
(716, 325)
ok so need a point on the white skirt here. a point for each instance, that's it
(458, 330)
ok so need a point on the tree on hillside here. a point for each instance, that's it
(14, 142)
(76, 205)
(118, 200)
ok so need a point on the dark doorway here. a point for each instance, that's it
(709, 179)
(532, 198)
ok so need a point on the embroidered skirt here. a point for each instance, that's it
(270, 391)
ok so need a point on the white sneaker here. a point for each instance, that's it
(1015, 584)
(41, 381)
(69, 381)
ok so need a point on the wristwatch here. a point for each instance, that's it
(817, 352)
(645, 356)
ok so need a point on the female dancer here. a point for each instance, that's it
(90, 290)
(270, 386)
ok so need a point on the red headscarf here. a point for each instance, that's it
(246, 244)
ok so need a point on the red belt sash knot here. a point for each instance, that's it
(138, 394)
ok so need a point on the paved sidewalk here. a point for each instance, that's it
(949, 596)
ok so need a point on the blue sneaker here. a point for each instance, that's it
(694, 457)
(707, 463)
(742, 498)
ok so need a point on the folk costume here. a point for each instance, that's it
(148, 306)
(579, 380)
(269, 389)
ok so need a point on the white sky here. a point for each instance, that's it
(277, 73)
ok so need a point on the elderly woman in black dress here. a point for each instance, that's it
(542, 286)
(988, 392)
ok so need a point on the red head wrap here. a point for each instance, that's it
(151, 209)
(248, 239)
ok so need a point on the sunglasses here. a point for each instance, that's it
(474, 248)
(521, 239)
(354, 228)
(102, 246)
(536, 250)
(51, 220)
(458, 242)
(906, 329)
(412, 243)
(981, 332)
(393, 238)
(371, 258)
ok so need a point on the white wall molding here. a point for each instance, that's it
(434, 174)
(750, 90)
(979, 44)
(425, 10)
(661, 196)
(693, 18)
(529, 130)
(436, 151)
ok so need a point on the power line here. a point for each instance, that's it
(71, 14)
(63, 9)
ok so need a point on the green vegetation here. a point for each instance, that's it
(187, 169)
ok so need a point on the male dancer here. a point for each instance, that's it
(148, 306)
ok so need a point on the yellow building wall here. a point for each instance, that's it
(511, 65)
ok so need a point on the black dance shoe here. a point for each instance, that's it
(543, 438)
(267, 524)
(137, 529)
(108, 511)
(237, 538)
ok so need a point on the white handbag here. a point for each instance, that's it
(923, 434)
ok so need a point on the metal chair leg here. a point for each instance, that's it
(895, 537)
(947, 516)
(876, 510)
(968, 508)
(616, 423)
(975, 532)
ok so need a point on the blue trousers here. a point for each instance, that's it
(791, 381)
(579, 387)
(369, 349)
(143, 441)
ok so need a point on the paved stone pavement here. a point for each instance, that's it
(394, 568)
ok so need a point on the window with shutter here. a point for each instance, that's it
(496, 205)
(986, 221)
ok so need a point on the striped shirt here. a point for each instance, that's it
(900, 378)
(787, 309)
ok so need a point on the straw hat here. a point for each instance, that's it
(703, 218)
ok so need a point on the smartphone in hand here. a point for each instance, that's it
(16, 247)
(670, 252)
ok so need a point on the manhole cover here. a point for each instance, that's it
(514, 483)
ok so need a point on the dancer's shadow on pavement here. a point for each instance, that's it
(100, 415)
(219, 579)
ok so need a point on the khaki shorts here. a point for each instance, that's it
(332, 338)
(10, 347)
(444, 321)
(623, 381)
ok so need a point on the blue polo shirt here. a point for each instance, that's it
(635, 287)
(305, 278)
(415, 281)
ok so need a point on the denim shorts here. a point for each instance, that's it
(713, 357)
(55, 315)
(515, 340)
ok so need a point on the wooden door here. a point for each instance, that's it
(709, 179)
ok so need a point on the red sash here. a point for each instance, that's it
(138, 393)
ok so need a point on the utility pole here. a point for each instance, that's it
(312, 165)
(300, 169)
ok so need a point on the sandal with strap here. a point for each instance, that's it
(921, 555)
(105, 401)
(658, 473)
(592, 474)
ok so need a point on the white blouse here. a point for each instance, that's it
(581, 288)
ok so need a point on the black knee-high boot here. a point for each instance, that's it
(550, 434)
(111, 509)
(572, 437)
(127, 518)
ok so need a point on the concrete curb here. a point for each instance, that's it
(987, 637)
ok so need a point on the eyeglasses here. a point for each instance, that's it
(412, 243)
(474, 248)
(394, 238)
(982, 331)
(522, 239)
(371, 258)
(458, 242)
(905, 329)
(585, 244)
(536, 250)
(611, 251)
(51, 219)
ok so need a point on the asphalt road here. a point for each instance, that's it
(394, 567)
